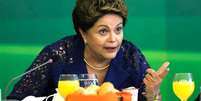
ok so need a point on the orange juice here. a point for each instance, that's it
(183, 89)
(66, 87)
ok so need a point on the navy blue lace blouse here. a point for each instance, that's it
(126, 69)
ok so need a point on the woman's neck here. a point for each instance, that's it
(95, 60)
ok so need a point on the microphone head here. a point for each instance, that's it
(50, 60)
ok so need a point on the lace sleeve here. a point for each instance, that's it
(137, 61)
(33, 83)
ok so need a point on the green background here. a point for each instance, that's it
(163, 29)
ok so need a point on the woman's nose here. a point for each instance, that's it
(112, 37)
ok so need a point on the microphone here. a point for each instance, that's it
(25, 73)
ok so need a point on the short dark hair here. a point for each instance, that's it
(87, 12)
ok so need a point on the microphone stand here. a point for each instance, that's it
(16, 77)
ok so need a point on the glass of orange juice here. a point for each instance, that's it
(183, 85)
(68, 84)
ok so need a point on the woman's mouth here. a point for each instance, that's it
(110, 49)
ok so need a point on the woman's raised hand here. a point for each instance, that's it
(153, 80)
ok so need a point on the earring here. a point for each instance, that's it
(85, 42)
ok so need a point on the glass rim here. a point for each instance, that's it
(183, 73)
(68, 77)
(87, 74)
(91, 75)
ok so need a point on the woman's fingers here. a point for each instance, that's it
(153, 75)
(148, 77)
(152, 79)
(163, 70)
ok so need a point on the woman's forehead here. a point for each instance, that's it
(109, 20)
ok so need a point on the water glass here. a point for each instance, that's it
(87, 80)
(0, 94)
(200, 94)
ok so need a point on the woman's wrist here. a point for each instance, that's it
(155, 97)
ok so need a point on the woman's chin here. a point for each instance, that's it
(110, 56)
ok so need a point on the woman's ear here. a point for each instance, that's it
(83, 34)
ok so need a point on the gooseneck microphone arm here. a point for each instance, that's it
(25, 73)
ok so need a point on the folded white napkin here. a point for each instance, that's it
(56, 97)
(133, 91)
(33, 98)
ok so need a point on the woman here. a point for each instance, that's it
(97, 48)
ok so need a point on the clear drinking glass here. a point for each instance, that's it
(68, 84)
(200, 93)
(183, 85)
(0, 94)
(87, 80)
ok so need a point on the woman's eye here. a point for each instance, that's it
(103, 31)
(119, 29)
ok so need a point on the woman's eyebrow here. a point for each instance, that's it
(102, 26)
(108, 27)
(119, 24)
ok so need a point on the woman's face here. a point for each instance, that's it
(104, 39)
